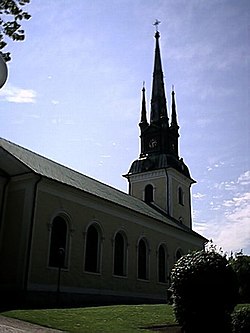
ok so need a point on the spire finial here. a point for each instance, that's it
(157, 34)
(157, 22)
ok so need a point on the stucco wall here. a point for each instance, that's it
(80, 210)
(15, 227)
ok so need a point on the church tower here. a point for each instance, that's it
(159, 176)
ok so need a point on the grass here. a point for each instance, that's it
(103, 319)
(106, 319)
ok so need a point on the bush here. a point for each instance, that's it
(241, 320)
(205, 292)
(241, 266)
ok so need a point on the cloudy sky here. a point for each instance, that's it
(74, 94)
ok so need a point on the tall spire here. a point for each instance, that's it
(143, 122)
(159, 137)
(158, 99)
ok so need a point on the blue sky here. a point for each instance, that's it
(74, 95)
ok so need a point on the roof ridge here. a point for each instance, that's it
(54, 171)
(57, 164)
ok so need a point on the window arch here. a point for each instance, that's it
(120, 254)
(180, 196)
(143, 260)
(58, 242)
(149, 193)
(93, 249)
(162, 263)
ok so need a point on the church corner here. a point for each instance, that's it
(67, 238)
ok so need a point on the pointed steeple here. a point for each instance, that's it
(174, 114)
(143, 123)
(158, 99)
(174, 129)
(159, 137)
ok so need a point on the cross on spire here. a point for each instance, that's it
(157, 22)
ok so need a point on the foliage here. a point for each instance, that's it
(241, 265)
(11, 14)
(241, 320)
(105, 319)
(205, 291)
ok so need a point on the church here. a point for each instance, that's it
(64, 233)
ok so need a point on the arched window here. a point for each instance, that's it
(180, 196)
(149, 193)
(92, 250)
(162, 264)
(120, 255)
(58, 243)
(143, 259)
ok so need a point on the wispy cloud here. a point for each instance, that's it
(229, 223)
(201, 227)
(55, 102)
(244, 179)
(214, 164)
(105, 156)
(199, 195)
(14, 94)
(234, 234)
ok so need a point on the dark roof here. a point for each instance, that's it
(43, 166)
(159, 161)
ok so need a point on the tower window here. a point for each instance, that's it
(181, 196)
(149, 193)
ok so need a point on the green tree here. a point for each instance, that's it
(205, 291)
(11, 14)
(241, 320)
(241, 266)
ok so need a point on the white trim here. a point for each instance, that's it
(138, 177)
(182, 179)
